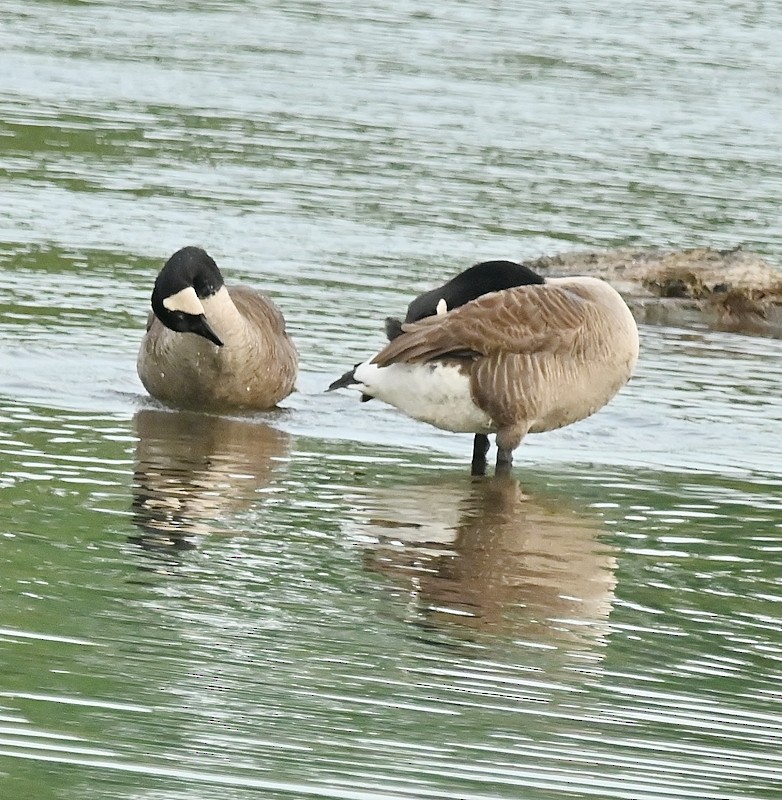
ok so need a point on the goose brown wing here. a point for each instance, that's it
(525, 319)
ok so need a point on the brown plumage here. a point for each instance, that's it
(525, 319)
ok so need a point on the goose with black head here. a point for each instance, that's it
(500, 350)
(213, 347)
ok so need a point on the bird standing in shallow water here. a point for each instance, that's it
(209, 347)
(500, 350)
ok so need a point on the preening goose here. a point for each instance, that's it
(210, 347)
(500, 350)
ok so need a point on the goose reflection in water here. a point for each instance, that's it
(193, 472)
(488, 556)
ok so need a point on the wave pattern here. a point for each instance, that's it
(318, 601)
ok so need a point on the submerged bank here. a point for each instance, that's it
(727, 290)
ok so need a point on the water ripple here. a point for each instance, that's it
(319, 602)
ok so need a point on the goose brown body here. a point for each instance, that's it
(254, 367)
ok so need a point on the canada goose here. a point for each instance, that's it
(498, 349)
(212, 348)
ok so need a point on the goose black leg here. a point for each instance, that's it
(480, 447)
(504, 462)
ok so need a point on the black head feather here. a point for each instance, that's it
(480, 279)
(188, 267)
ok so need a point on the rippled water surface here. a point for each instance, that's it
(320, 602)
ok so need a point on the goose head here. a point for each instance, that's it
(478, 280)
(187, 278)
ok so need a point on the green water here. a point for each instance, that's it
(319, 601)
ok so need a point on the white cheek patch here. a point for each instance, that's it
(186, 301)
(442, 307)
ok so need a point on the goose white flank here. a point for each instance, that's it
(500, 350)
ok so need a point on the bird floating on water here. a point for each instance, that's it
(213, 347)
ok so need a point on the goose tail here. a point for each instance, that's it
(347, 381)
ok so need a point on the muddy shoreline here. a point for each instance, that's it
(726, 290)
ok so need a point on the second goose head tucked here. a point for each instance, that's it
(500, 350)
(488, 276)
(211, 347)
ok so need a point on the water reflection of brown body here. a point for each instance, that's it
(193, 472)
(486, 555)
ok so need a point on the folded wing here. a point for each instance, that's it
(522, 320)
